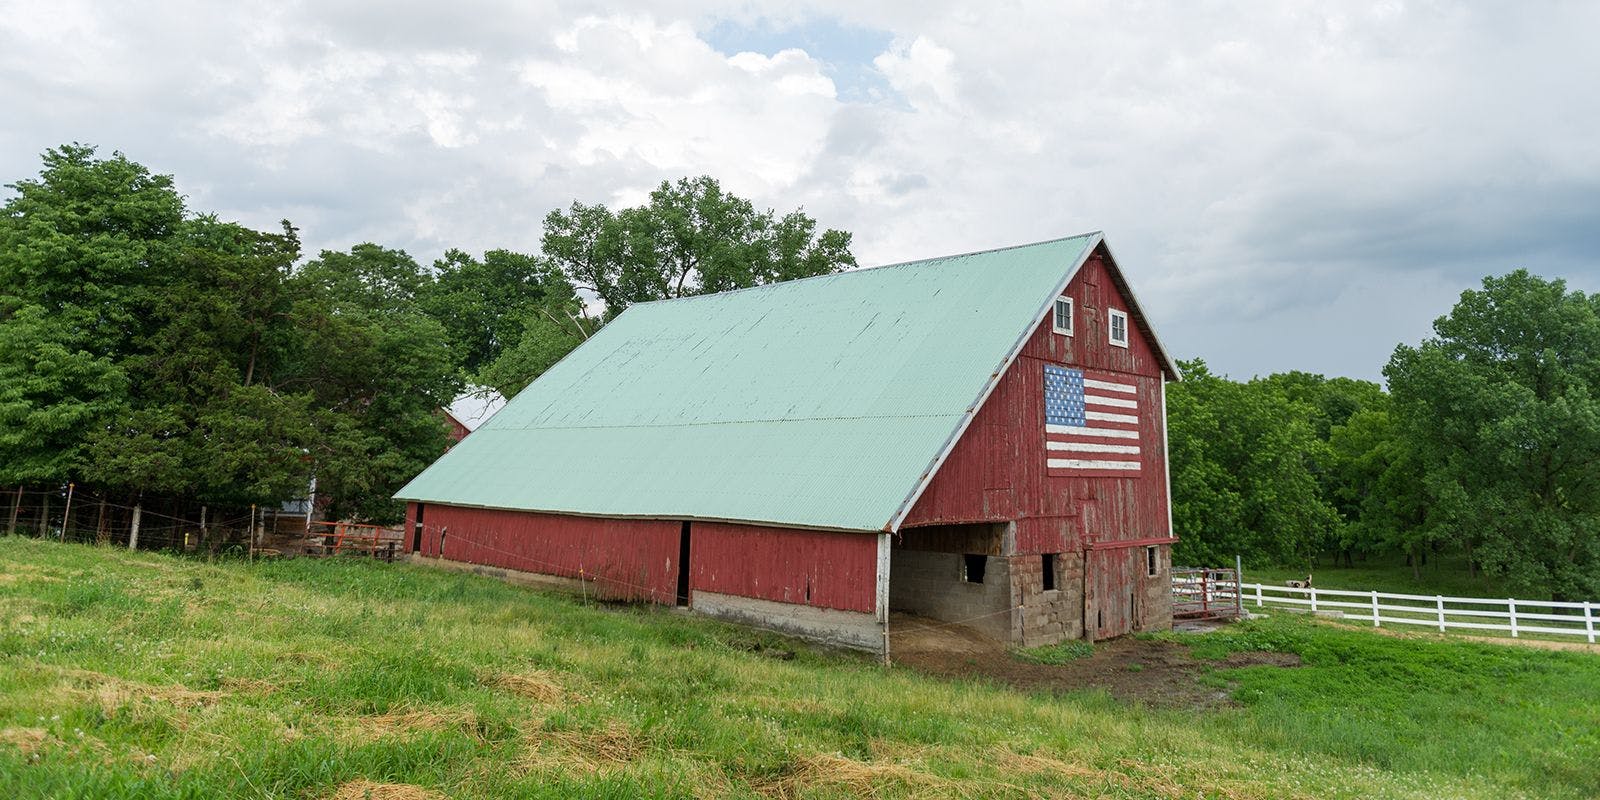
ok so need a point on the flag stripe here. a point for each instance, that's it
(1118, 402)
(1075, 463)
(1081, 431)
(1090, 383)
(1103, 416)
(1092, 447)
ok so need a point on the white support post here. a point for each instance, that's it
(1511, 604)
(1439, 599)
(1376, 622)
(881, 591)
(1313, 599)
(1258, 595)
(1588, 620)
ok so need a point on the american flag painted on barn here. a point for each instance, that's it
(1091, 422)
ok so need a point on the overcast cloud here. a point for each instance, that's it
(1289, 187)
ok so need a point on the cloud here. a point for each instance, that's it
(1300, 187)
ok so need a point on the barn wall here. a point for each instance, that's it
(997, 470)
(784, 565)
(621, 558)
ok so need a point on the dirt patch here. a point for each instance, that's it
(371, 790)
(1151, 672)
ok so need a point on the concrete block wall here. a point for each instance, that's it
(1156, 593)
(1046, 617)
(930, 584)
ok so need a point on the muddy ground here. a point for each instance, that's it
(1150, 672)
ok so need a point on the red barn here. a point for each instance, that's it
(977, 439)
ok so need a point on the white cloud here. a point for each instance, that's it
(1318, 172)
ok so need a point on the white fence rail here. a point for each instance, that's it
(1517, 617)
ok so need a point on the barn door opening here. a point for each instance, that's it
(683, 564)
(416, 534)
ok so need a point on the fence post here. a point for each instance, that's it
(1376, 623)
(66, 518)
(1258, 595)
(1511, 604)
(1313, 598)
(1439, 598)
(1588, 620)
(1238, 587)
(133, 532)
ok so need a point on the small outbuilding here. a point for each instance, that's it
(977, 439)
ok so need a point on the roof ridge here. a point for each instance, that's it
(861, 270)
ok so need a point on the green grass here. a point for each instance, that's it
(1056, 654)
(1446, 575)
(142, 675)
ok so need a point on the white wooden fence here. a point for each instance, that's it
(1517, 617)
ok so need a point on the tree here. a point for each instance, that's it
(691, 238)
(377, 370)
(485, 305)
(1242, 458)
(1501, 408)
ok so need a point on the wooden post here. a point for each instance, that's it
(1439, 598)
(1511, 604)
(133, 531)
(1258, 595)
(252, 533)
(1588, 620)
(1375, 621)
(44, 515)
(16, 505)
(202, 542)
(66, 518)
(1313, 598)
(100, 522)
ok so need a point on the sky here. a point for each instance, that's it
(1286, 185)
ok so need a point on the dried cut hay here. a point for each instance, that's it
(27, 740)
(372, 790)
(539, 687)
(112, 693)
(1036, 764)
(589, 751)
(407, 721)
(859, 778)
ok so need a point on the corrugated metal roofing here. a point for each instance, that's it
(813, 403)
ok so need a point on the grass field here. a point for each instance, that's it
(1446, 575)
(150, 676)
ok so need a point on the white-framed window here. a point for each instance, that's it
(1061, 317)
(1118, 320)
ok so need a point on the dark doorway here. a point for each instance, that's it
(683, 565)
(416, 534)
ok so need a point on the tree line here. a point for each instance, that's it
(1486, 446)
(154, 352)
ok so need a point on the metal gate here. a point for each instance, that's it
(1206, 594)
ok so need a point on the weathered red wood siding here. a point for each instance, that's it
(997, 470)
(814, 568)
(626, 558)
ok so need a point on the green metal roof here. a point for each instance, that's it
(819, 403)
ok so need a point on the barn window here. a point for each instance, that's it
(1049, 572)
(1152, 561)
(1119, 327)
(1061, 321)
(972, 568)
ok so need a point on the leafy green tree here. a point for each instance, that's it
(1242, 458)
(377, 369)
(485, 305)
(1500, 406)
(691, 238)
